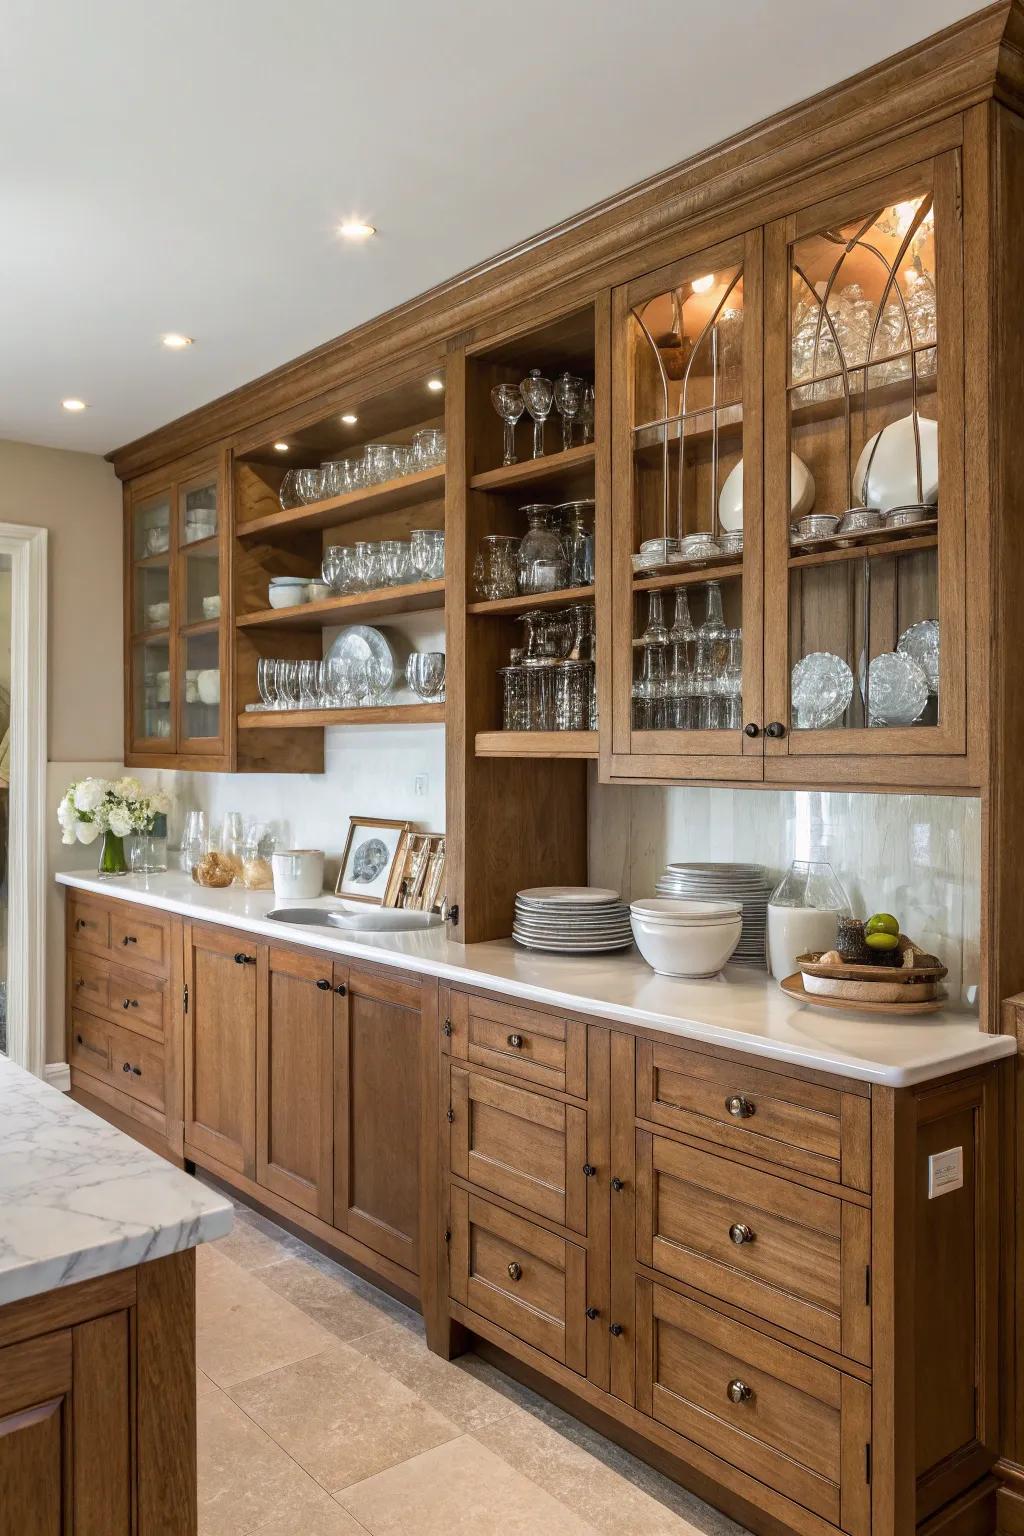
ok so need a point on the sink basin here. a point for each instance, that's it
(381, 920)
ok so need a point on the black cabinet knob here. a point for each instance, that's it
(775, 730)
(589, 1170)
(617, 1185)
(515, 1041)
(341, 989)
(593, 1313)
(751, 729)
(615, 1329)
(126, 1067)
(324, 984)
(129, 938)
(242, 959)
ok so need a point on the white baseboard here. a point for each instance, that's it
(58, 1075)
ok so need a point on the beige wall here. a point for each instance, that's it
(77, 498)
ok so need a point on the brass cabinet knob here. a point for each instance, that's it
(738, 1392)
(516, 1042)
(740, 1233)
(515, 1271)
(739, 1107)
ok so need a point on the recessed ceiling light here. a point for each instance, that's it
(350, 418)
(435, 384)
(355, 229)
(280, 447)
(73, 405)
(702, 284)
(175, 341)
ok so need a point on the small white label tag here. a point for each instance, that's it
(945, 1172)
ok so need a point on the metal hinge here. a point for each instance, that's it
(867, 1285)
(867, 1462)
(450, 1116)
(184, 998)
(446, 1027)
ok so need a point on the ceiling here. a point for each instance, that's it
(184, 167)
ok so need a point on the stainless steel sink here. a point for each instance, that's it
(381, 920)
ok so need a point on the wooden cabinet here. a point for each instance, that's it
(220, 1045)
(177, 613)
(295, 1078)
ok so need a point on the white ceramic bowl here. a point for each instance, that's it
(158, 613)
(298, 873)
(211, 606)
(730, 501)
(208, 685)
(289, 597)
(680, 949)
(679, 911)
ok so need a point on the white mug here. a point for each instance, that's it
(298, 872)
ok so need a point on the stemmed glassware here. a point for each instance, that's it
(538, 393)
(508, 401)
(586, 417)
(426, 549)
(569, 400)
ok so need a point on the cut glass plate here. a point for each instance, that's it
(821, 688)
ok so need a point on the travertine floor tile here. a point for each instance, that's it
(459, 1489)
(340, 1416)
(243, 1328)
(254, 1241)
(247, 1484)
(340, 1302)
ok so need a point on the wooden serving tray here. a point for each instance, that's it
(852, 971)
(793, 986)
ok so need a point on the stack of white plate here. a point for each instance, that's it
(745, 883)
(576, 919)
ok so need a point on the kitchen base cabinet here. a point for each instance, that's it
(294, 1078)
(220, 1045)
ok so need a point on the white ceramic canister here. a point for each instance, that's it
(298, 872)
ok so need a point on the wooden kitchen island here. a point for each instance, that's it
(97, 1323)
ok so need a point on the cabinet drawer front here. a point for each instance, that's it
(517, 1144)
(781, 1119)
(524, 1278)
(138, 939)
(791, 1255)
(91, 1049)
(88, 925)
(138, 1065)
(140, 1001)
(89, 981)
(759, 1405)
(537, 1047)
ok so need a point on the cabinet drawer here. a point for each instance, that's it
(89, 981)
(139, 940)
(129, 1062)
(520, 1145)
(91, 1049)
(141, 1000)
(791, 1422)
(794, 1256)
(806, 1126)
(88, 925)
(523, 1278)
(536, 1047)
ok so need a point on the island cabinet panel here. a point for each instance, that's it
(377, 1114)
(294, 1079)
(220, 1045)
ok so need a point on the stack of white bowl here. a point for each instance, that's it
(745, 883)
(686, 938)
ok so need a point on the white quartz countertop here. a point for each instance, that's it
(78, 1198)
(742, 1008)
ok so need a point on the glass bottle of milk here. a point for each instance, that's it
(803, 911)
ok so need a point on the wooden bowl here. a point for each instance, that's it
(851, 971)
(793, 986)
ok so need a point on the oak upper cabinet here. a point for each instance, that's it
(220, 1045)
(687, 470)
(176, 619)
(295, 1078)
(379, 1019)
(864, 387)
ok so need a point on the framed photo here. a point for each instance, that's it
(369, 859)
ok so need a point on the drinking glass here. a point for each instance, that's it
(513, 709)
(425, 674)
(288, 495)
(195, 839)
(265, 681)
(586, 417)
(650, 690)
(732, 681)
(508, 401)
(538, 393)
(309, 484)
(358, 682)
(332, 568)
(378, 679)
(570, 706)
(259, 840)
(494, 570)
(342, 475)
(366, 566)
(541, 562)
(403, 460)
(428, 448)
(656, 632)
(427, 553)
(307, 685)
(569, 401)
(334, 682)
(584, 641)
(232, 833)
(395, 561)
(378, 463)
(287, 674)
(579, 541)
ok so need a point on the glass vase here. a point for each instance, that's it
(112, 859)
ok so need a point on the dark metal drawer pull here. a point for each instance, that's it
(137, 1071)
(129, 1002)
(516, 1042)
(615, 1329)
(589, 1170)
(241, 959)
(738, 1392)
(617, 1185)
(593, 1314)
(740, 1107)
(129, 938)
(740, 1233)
(324, 984)
(126, 1067)
(515, 1271)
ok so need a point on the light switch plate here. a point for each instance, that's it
(945, 1172)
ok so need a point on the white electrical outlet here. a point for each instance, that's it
(945, 1172)
(421, 785)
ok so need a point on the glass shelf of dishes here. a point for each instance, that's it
(556, 552)
(374, 464)
(570, 395)
(689, 678)
(355, 674)
(550, 682)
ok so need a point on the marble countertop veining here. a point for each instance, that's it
(742, 1008)
(78, 1198)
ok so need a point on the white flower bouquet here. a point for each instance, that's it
(113, 809)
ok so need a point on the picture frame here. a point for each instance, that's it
(372, 848)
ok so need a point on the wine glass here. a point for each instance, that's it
(508, 401)
(358, 682)
(425, 672)
(569, 401)
(586, 417)
(538, 392)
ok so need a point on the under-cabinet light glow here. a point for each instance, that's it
(175, 341)
(350, 418)
(280, 447)
(702, 284)
(435, 384)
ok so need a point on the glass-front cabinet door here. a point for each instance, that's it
(687, 518)
(864, 587)
(174, 620)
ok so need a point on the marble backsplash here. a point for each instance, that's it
(918, 856)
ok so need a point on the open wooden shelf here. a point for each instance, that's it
(883, 547)
(517, 605)
(370, 714)
(569, 470)
(724, 570)
(536, 744)
(412, 598)
(406, 491)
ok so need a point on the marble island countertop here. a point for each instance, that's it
(741, 1008)
(78, 1198)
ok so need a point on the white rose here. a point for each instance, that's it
(87, 832)
(89, 794)
(66, 816)
(129, 788)
(120, 822)
(68, 836)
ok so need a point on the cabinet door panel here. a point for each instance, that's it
(377, 1112)
(295, 1080)
(220, 1046)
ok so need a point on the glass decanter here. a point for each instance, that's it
(541, 562)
